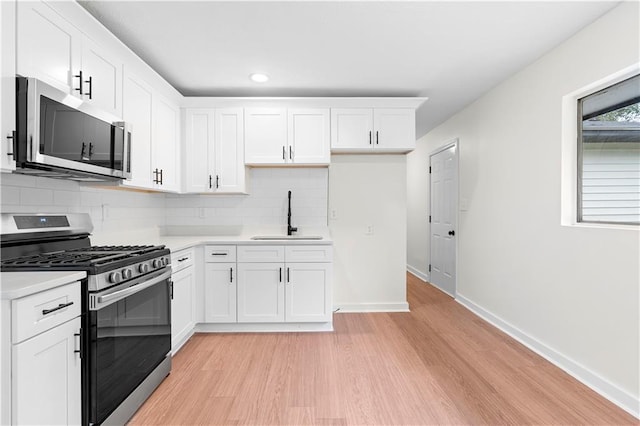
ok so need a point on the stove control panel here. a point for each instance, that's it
(130, 272)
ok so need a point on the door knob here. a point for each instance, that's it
(452, 233)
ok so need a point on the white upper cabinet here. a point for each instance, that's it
(48, 47)
(308, 136)
(383, 130)
(229, 150)
(351, 128)
(287, 136)
(51, 49)
(165, 134)
(102, 75)
(7, 85)
(137, 108)
(265, 133)
(214, 160)
(198, 166)
(155, 142)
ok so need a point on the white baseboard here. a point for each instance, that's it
(418, 273)
(371, 307)
(613, 393)
(181, 340)
(263, 327)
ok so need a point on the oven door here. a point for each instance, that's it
(130, 335)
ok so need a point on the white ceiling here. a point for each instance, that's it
(451, 52)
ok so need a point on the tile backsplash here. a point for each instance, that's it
(266, 205)
(122, 211)
(110, 210)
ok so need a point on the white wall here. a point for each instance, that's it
(266, 204)
(570, 291)
(126, 211)
(369, 270)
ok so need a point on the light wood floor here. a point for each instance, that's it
(439, 364)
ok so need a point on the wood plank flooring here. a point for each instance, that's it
(438, 364)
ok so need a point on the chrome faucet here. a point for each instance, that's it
(290, 229)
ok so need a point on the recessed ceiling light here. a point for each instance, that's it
(259, 78)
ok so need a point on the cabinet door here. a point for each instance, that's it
(102, 78)
(45, 373)
(220, 281)
(395, 129)
(260, 292)
(229, 150)
(7, 84)
(165, 143)
(48, 46)
(137, 109)
(199, 150)
(265, 132)
(351, 128)
(309, 139)
(308, 292)
(182, 306)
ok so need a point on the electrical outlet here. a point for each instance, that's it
(369, 230)
(201, 212)
(334, 214)
(105, 212)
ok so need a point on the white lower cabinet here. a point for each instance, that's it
(183, 298)
(308, 292)
(220, 284)
(220, 292)
(41, 358)
(261, 292)
(46, 377)
(286, 291)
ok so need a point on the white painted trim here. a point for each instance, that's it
(263, 327)
(418, 273)
(610, 391)
(372, 307)
(181, 341)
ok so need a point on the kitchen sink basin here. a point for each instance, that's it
(286, 237)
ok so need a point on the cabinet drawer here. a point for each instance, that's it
(260, 253)
(323, 253)
(42, 311)
(181, 260)
(220, 253)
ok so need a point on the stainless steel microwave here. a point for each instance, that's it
(61, 136)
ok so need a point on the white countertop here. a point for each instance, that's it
(14, 285)
(236, 236)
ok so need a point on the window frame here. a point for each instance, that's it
(580, 156)
(569, 155)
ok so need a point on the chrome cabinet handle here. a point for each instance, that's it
(219, 254)
(230, 275)
(57, 308)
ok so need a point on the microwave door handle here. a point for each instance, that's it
(125, 128)
(111, 297)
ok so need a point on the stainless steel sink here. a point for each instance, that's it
(286, 237)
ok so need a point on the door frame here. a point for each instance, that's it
(455, 142)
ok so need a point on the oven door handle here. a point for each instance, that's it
(121, 294)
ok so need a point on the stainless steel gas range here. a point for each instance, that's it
(126, 307)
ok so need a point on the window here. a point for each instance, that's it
(609, 154)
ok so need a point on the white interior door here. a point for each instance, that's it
(443, 168)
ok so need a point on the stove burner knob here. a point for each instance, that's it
(156, 263)
(143, 268)
(126, 273)
(115, 277)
